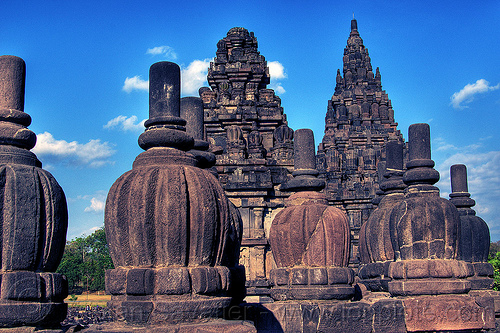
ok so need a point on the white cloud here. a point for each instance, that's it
(93, 153)
(276, 70)
(164, 50)
(135, 83)
(96, 205)
(194, 76)
(466, 95)
(277, 73)
(126, 124)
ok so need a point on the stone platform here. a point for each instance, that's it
(210, 326)
(376, 313)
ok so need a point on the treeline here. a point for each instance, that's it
(84, 262)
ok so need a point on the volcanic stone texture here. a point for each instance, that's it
(168, 223)
(34, 216)
(358, 123)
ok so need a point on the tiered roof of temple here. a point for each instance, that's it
(247, 129)
(358, 123)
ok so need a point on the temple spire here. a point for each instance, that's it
(354, 23)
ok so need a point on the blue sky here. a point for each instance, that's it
(88, 62)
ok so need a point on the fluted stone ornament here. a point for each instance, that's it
(309, 239)
(375, 246)
(474, 244)
(167, 222)
(424, 230)
(34, 215)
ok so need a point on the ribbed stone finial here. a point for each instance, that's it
(170, 228)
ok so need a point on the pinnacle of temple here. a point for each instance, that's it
(358, 123)
(238, 94)
(359, 99)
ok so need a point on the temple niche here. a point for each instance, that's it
(359, 122)
(247, 130)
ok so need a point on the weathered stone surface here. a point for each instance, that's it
(474, 241)
(245, 124)
(375, 246)
(448, 313)
(424, 230)
(359, 122)
(311, 235)
(182, 221)
(309, 239)
(35, 216)
(212, 326)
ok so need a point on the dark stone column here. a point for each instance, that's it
(35, 216)
(192, 112)
(309, 239)
(474, 241)
(175, 265)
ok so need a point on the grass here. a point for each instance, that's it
(90, 299)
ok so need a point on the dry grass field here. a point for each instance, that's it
(88, 299)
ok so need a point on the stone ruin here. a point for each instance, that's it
(224, 172)
(34, 215)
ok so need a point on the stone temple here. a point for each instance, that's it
(358, 123)
(247, 128)
(227, 201)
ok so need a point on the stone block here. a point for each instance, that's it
(416, 269)
(439, 269)
(447, 312)
(428, 287)
(32, 313)
(280, 276)
(205, 280)
(397, 270)
(225, 277)
(318, 276)
(21, 286)
(299, 276)
(116, 281)
(140, 281)
(56, 286)
(346, 317)
(388, 316)
(340, 275)
(172, 281)
(483, 269)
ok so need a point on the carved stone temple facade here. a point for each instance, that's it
(247, 130)
(358, 123)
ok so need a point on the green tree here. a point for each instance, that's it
(85, 261)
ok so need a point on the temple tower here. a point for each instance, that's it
(359, 121)
(247, 129)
